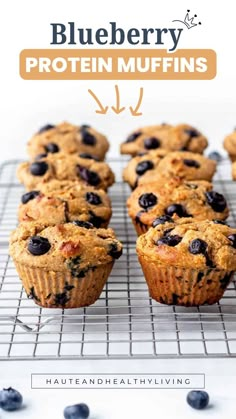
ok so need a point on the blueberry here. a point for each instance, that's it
(152, 143)
(88, 138)
(162, 220)
(95, 220)
(143, 167)
(232, 238)
(214, 155)
(78, 411)
(89, 176)
(10, 399)
(192, 133)
(52, 148)
(170, 240)
(198, 399)
(197, 246)
(147, 200)
(114, 251)
(133, 137)
(93, 198)
(38, 168)
(28, 196)
(88, 156)
(191, 163)
(40, 156)
(46, 128)
(84, 224)
(38, 245)
(84, 126)
(176, 209)
(216, 201)
(61, 299)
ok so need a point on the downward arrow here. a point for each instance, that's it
(134, 111)
(102, 110)
(117, 108)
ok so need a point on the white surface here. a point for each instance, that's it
(25, 106)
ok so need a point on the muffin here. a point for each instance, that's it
(189, 262)
(156, 164)
(230, 145)
(59, 202)
(62, 166)
(69, 139)
(66, 265)
(180, 137)
(138, 167)
(176, 198)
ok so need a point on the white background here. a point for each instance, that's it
(26, 105)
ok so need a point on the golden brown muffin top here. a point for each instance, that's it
(61, 166)
(63, 247)
(70, 139)
(179, 137)
(176, 198)
(57, 201)
(188, 244)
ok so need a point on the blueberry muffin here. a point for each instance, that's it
(150, 203)
(69, 139)
(66, 265)
(59, 202)
(184, 164)
(62, 166)
(230, 145)
(181, 137)
(141, 166)
(189, 262)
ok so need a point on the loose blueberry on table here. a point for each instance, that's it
(198, 399)
(10, 399)
(77, 411)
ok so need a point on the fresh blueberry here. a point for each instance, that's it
(143, 167)
(214, 155)
(191, 163)
(197, 246)
(216, 201)
(52, 148)
(133, 137)
(84, 126)
(170, 240)
(77, 411)
(10, 399)
(192, 133)
(176, 209)
(88, 156)
(38, 245)
(28, 196)
(147, 200)
(84, 224)
(198, 399)
(232, 238)
(162, 220)
(88, 138)
(93, 198)
(89, 176)
(40, 156)
(46, 128)
(114, 251)
(152, 143)
(38, 168)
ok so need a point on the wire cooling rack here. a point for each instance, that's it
(124, 322)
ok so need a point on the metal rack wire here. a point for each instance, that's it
(124, 322)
